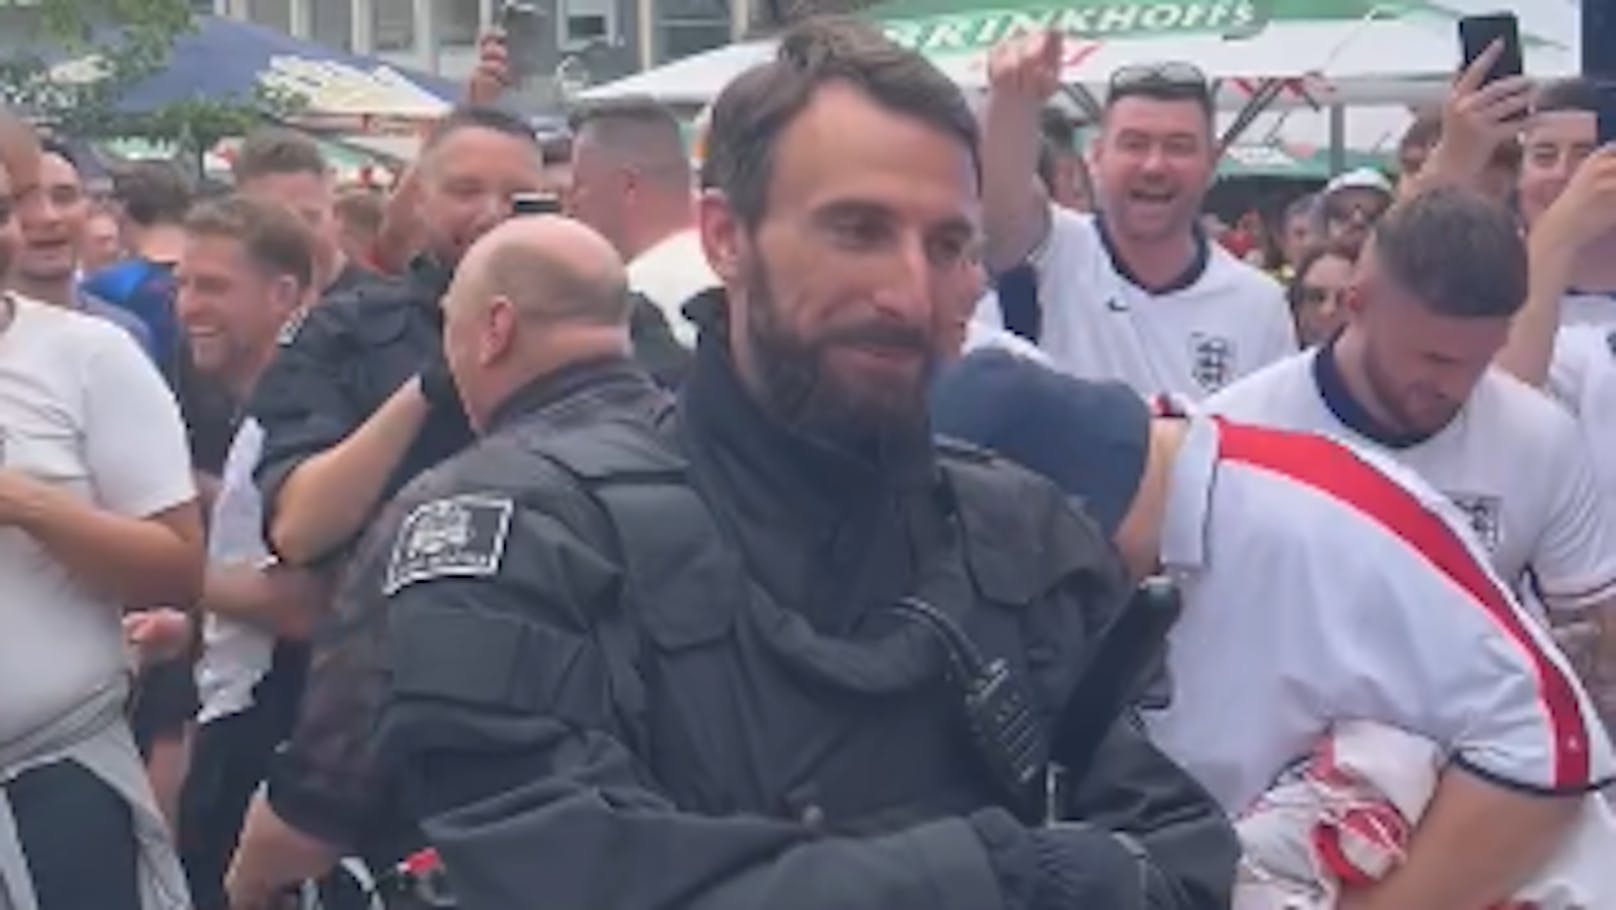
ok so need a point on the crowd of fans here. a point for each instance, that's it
(229, 429)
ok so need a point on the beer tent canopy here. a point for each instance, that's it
(1294, 51)
(228, 60)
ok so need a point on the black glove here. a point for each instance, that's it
(438, 385)
(1063, 866)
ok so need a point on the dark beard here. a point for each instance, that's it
(800, 392)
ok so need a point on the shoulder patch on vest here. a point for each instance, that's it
(460, 536)
(289, 328)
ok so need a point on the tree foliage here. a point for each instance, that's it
(114, 44)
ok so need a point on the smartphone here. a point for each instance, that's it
(522, 23)
(534, 204)
(1477, 33)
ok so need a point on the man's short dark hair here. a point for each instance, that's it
(152, 193)
(479, 117)
(1336, 249)
(1458, 251)
(275, 151)
(755, 109)
(52, 146)
(1169, 81)
(556, 150)
(638, 131)
(271, 236)
(1574, 94)
(647, 111)
(361, 208)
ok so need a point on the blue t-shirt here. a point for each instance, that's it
(146, 289)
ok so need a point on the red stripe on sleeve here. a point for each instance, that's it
(1333, 469)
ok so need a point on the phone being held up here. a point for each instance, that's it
(522, 23)
(1477, 33)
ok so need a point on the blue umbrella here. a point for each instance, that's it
(228, 60)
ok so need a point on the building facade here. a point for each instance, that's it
(603, 38)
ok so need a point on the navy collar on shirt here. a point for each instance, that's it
(1338, 398)
(1191, 274)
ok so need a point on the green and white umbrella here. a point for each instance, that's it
(1333, 51)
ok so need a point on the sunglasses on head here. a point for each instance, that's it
(1172, 76)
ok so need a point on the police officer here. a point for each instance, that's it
(736, 659)
(536, 326)
(356, 403)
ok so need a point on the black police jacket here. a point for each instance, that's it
(631, 669)
(324, 780)
(339, 363)
(348, 355)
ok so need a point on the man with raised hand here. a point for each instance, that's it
(1135, 292)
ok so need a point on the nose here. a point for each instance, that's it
(492, 209)
(908, 288)
(36, 208)
(187, 306)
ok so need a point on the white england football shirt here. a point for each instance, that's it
(84, 410)
(1588, 309)
(1511, 460)
(1584, 377)
(1323, 583)
(1222, 320)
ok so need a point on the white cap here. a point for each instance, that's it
(1363, 178)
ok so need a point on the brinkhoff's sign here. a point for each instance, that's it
(977, 30)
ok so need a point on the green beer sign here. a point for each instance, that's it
(940, 27)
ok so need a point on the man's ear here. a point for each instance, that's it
(720, 234)
(497, 333)
(288, 295)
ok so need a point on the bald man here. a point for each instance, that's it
(632, 181)
(536, 336)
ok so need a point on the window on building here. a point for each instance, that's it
(458, 22)
(681, 38)
(585, 21)
(276, 14)
(686, 27)
(331, 24)
(393, 25)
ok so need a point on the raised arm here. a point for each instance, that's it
(1476, 119)
(1022, 74)
(1584, 213)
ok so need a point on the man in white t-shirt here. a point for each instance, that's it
(1567, 197)
(1411, 376)
(1136, 292)
(1584, 378)
(245, 271)
(632, 182)
(1320, 583)
(97, 515)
